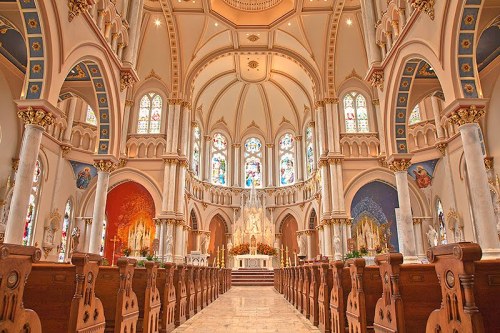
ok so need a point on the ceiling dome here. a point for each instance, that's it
(252, 5)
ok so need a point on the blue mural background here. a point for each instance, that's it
(423, 169)
(377, 200)
(84, 174)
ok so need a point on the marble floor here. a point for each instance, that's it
(248, 309)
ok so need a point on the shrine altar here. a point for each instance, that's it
(253, 261)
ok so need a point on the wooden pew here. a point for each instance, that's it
(314, 283)
(366, 288)
(221, 274)
(306, 275)
(338, 297)
(166, 287)
(215, 277)
(325, 287)
(229, 278)
(15, 267)
(63, 295)
(204, 287)
(277, 279)
(180, 294)
(300, 285)
(286, 285)
(190, 291)
(409, 294)
(114, 289)
(148, 296)
(293, 285)
(469, 290)
(197, 289)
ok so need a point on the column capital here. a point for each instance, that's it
(236, 145)
(427, 6)
(331, 100)
(319, 104)
(87, 220)
(207, 138)
(39, 117)
(488, 162)
(375, 77)
(400, 162)
(376, 102)
(298, 138)
(467, 115)
(170, 160)
(76, 7)
(441, 146)
(270, 145)
(105, 165)
(128, 77)
(129, 103)
(66, 149)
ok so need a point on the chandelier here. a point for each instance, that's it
(252, 5)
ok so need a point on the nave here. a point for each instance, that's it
(249, 309)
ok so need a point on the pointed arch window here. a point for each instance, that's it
(68, 216)
(219, 160)
(90, 117)
(195, 164)
(310, 151)
(253, 162)
(150, 114)
(356, 113)
(312, 220)
(31, 215)
(287, 159)
(415, 116)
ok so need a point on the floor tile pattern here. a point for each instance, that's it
(248, 309)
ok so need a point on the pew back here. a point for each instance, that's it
(341, 286)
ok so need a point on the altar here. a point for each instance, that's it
(253, 261)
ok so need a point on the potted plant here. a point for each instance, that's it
(144, 251)
(127, 251)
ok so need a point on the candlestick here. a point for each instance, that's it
(222, 258)
(287, 257)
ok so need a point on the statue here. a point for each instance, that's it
(75, 237)
(268, 235)
(432, 236)
(229, 246)
(302, 242)
(51, 228)
(205, 242)
(336, 244)
(169, 245)
(237, 237)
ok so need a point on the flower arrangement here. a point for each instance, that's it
(266, 249)
(353, 254)
(378, 249)
(144, 251)
(363, 250)
(240, 249)
(127, 251)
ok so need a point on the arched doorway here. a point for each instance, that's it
(192, 244)
(313, 223)
(289, 228)
(130, 210)
(218, 230)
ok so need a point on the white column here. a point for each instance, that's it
(368, 11)
(340, 185)
(309, 244)
(125, 132)
(320, 127)
(166, 188)
(69, 119)
(35, 121)
(380, 126)
(206, 153)
(170, 126)
(134, 21)
(86, 234)
(406, 235)
(179, 235)
(181, 188)
(437, 117)
(329, 126)
(337, 233)
(333, 185)
(237, 166)
(321, 241)
(334, 105)
(325, 193)
(169, 242)
(198, 240)
(161, 250)
(104, 167)
(175, 129)
(171, 185)
(417, 229)
(388, 38)
(300, 160)
(482, 205)
(186, 130)
(270, 164)
(327, 238)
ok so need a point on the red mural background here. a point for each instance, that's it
(126, 204)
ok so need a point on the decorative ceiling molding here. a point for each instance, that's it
(332, 43)
(174, 47)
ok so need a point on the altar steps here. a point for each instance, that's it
(252, 277)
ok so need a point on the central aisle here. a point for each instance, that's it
(248, 309)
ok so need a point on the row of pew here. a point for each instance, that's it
(456, 292)
(86, 297)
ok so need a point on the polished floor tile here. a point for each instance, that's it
(248, 309)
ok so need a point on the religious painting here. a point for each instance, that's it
(374, 226)
(84, 174)
(130, 227)
(423, 173)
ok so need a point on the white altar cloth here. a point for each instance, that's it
(253, 261)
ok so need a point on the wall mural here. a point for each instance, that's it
(130, 210)
(374, 218)
(84, 174)
(423, 172)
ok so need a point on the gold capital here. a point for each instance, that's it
(400, 165)
(468, 115)
(105, 165)
(38, 117)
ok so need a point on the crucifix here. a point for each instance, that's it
(114, 240)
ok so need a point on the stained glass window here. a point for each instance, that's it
(219, 159)
(195, 164)
(253, 162)
(415, 116)
(90, 117)
(149, 121)
(309, 151)
(441, 221)
(287, 159)
(63, 250)
(33, 204)
(355, 113)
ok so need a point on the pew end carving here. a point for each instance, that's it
(341, 285)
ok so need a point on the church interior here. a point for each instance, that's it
(249, 166)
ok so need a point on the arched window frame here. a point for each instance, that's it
(219, 152)
(194, 220)
(310, 150)
(65, 231)
(146, 111)
(196, 150)
(246, 156)
(312, 220)
(283, 153)
(32, 213)
(415, 115)
(357, 121)
(90, 117)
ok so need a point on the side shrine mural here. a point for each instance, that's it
(423, 172)
(130, 211)
(373, 212)
(84, 174)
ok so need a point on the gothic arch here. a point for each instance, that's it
(224, 217)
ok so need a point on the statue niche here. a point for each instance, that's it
(139, 236)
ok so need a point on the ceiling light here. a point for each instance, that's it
(216, 24)
(157, 22)
(289, 23)
(349, 22)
